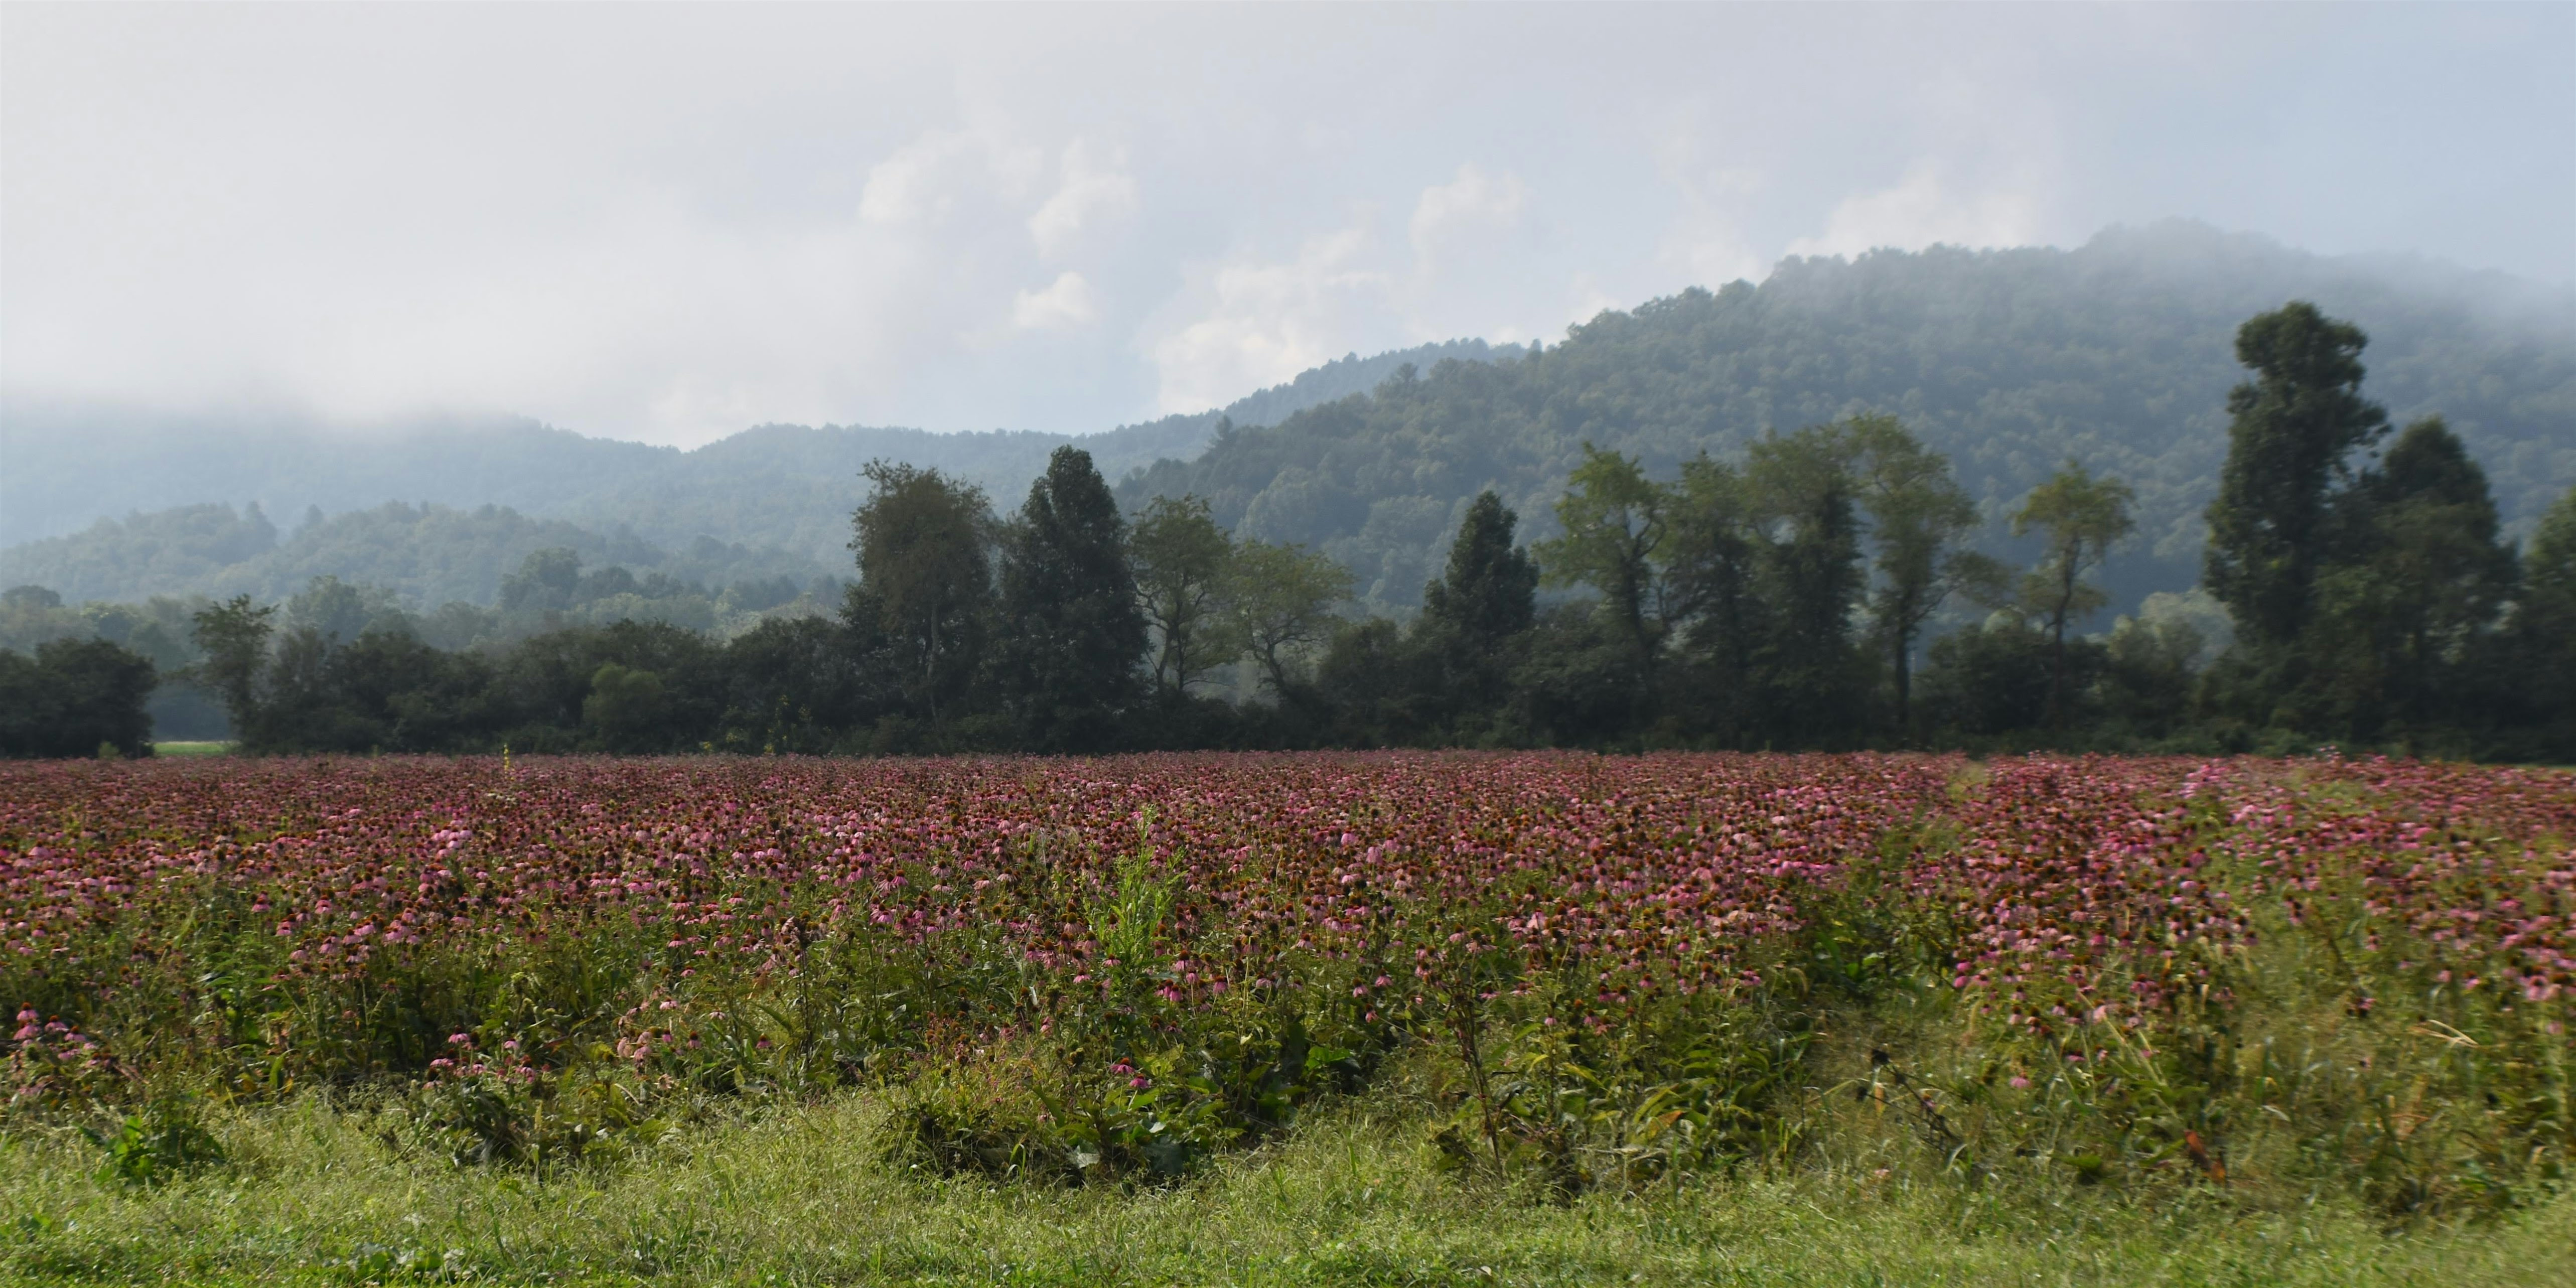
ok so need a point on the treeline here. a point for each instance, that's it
(429, 555)
(2357, 590)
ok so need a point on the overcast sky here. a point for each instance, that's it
(669, 223)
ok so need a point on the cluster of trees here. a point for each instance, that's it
(72, 693)
(2357, 590)
(965, 632)
(151, 645)
(2373, 595)
(1779, 601)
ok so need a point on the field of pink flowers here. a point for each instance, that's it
(2129, 966)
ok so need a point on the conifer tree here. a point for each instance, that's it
(1488, 593)
(2419, 582)
(1073, 635)
(1475, 617)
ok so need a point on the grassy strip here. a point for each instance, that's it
(810, 1194)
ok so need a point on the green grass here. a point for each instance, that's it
(809, 1194)
(206, 748)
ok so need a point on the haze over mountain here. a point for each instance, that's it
(113, 504)
(2118, 352)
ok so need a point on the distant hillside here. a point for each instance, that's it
(426, 555)
(2120, 353)
(788, 486)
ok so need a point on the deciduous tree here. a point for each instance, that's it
(2081, 517)
(924, 546)
(233, 636)
(2290, 439)
(1282, 599)
(1919, 521)
(1615, 526)
(1180, 558)
(1808, 678)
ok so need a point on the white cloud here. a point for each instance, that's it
(1068, 302)
(1481, 262)
(1707, 239)
(1472, 202)
(668, 222)
(1089, 192)
(1265, 321)
(1464, 269)
(1589, 300)
(927, 180)
(1923, 210)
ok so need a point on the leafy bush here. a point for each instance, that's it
(149, 1147)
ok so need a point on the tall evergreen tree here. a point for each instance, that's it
(1072, 634)
(2290, 438)
(1475, 616)
(1489, 591)
(2419, 583)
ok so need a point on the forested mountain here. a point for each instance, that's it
(788, 486)
(2119, 353)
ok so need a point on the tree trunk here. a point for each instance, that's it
(1904, 682)
(2057, 649)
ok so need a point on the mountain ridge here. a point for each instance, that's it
(69, 466)
(2118, 351)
